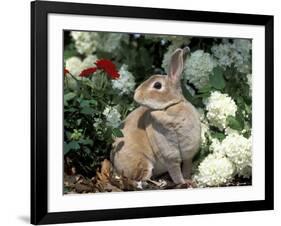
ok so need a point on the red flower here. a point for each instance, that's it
(108, 67)
(87, 72)
(65, 71)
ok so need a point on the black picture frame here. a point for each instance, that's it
(39, 112)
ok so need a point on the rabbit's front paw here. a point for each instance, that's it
(187, 184)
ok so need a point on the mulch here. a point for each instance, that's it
(107, 180)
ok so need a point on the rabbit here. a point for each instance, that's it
(163, 134)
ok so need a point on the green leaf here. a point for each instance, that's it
(69, 96)
(72, 145)
(70, 109)
(78, 122)
(69, 51)
(93, 102)
(65, 148)
(240, 119)
(220, 136)
(205, 89)
(117, 132)
(248, 109)
(68, 134)
(203, 95)
(87, 103)
(86, 142)
(108, 135)
(87, 111)
(84, 103)
(186, 93)
(216, 78)
(233, 123)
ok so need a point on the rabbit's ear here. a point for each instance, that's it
(185, 53)
(176, 64)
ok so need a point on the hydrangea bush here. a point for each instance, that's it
(103, 69)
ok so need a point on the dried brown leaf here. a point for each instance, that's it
(83, 188)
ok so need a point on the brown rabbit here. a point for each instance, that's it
(163, 134)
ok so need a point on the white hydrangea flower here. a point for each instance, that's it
(214, 170)
(201, 114)
(243, 51)
(215, 147)
(110, 42)
(88, 42)
(249, 81)
(205, 130)
(239, 150)
(174, 39)
(113, 117)
(198, 68)
(223, 54)
(75, 65)
(229, 130)
(204, 133)
(126, 83)
(237, 54)
(89, 61)
(219, 106)
(98, 122)
(85, 42)
(243, 46)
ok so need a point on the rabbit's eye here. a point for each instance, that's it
(157, 85)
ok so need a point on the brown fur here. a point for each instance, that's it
(163, 134)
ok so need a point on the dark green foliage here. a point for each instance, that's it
(217, 79)
(87, 135)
